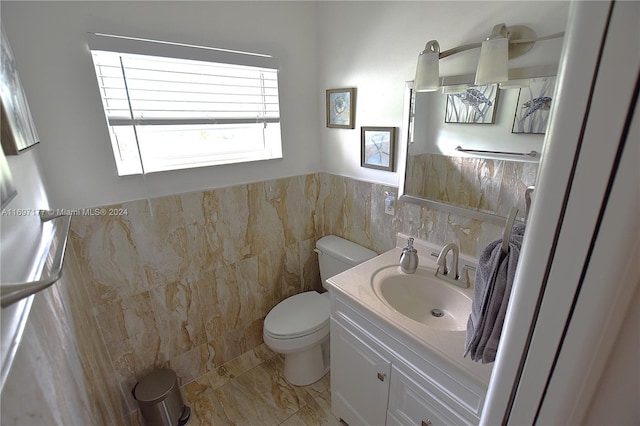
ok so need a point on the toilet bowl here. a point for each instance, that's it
(298, 327)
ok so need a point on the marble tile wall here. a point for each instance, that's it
(185, 281)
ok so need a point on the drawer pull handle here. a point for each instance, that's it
(427, 423)
(381, 376)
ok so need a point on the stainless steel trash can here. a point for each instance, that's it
(160, 401)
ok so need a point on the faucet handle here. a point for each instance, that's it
(465, 270)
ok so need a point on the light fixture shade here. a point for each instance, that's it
(494, 54)
(428, 69)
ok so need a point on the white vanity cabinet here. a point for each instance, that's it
(378, 379)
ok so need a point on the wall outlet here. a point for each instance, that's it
(389, 205)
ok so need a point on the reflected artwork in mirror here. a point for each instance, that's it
(476, 104)
(534, 105)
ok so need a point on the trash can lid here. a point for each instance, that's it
(155, 386)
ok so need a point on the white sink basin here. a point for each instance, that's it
(423, 298)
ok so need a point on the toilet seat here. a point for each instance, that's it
(298, 316)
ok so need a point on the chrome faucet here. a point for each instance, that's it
(450, 275)
(409, 258)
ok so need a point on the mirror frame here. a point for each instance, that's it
(407, 128)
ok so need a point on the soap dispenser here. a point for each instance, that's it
(409, 258)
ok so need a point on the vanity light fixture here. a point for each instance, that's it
(494, 53)
(428, 70)
(503, 44)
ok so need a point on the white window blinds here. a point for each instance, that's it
(171, 106)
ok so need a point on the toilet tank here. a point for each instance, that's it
(336, 255)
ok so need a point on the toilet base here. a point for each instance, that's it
(308, 366)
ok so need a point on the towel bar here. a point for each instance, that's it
(480, 151)
(12, 292)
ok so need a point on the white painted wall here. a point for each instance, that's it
(48, 40)
(374, 46)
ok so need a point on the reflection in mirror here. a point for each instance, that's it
(478, 167)
(483, 185)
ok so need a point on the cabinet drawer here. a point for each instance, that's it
(412, 404)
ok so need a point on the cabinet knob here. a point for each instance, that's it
(426, 423)
(382, 376)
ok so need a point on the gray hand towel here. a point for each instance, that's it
(494, 279)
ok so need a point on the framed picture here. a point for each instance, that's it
(534, 103)
(17, 129)
(475, 105)
(7, 187)
(341, 108)
(378, 148)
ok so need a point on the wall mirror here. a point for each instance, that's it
(474, 150)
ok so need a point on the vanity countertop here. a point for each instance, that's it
(448, 346)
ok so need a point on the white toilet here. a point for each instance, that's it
(298, 327)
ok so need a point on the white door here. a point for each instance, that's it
(545, 368)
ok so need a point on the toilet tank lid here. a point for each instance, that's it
(346, 250)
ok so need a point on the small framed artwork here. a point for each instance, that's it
(17, 129)
(475, 105)
(534, 103)
(341, 108)
(378, 148)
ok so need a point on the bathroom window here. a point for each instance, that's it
(174, 106)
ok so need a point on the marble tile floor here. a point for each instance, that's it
(251, 390)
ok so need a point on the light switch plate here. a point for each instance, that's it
(389, 206)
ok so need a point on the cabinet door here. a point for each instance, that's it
(359, 379)
(412, 404)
